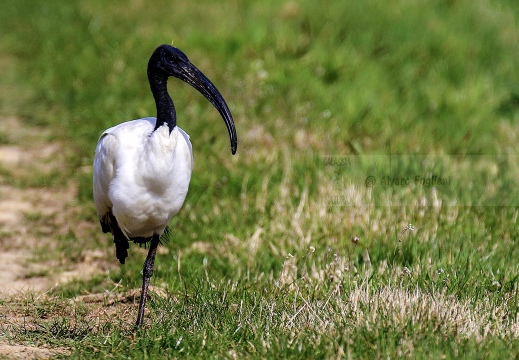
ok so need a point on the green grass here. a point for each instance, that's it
(268, 268)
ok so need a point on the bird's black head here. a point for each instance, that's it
(167, 61)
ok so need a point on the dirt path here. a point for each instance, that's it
(31, 220)
(30, 214)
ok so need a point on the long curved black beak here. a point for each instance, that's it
(194, 77)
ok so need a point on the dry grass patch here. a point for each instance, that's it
(396, 307)
(35, 323)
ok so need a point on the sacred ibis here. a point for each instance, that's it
(142, 168)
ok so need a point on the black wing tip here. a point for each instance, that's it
(105, 225)
(121, 247)
(109, 224)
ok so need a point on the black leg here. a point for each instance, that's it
(147, 273)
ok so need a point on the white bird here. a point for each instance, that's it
(142, 168)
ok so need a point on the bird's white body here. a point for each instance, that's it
(142, 175)
(142, 168)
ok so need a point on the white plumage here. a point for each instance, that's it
(142, 175)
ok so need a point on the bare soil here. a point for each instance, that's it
(31, 220)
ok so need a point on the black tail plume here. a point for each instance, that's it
(109, 224)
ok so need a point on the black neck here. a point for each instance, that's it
(165, 108)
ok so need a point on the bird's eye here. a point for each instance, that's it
(170, 57)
